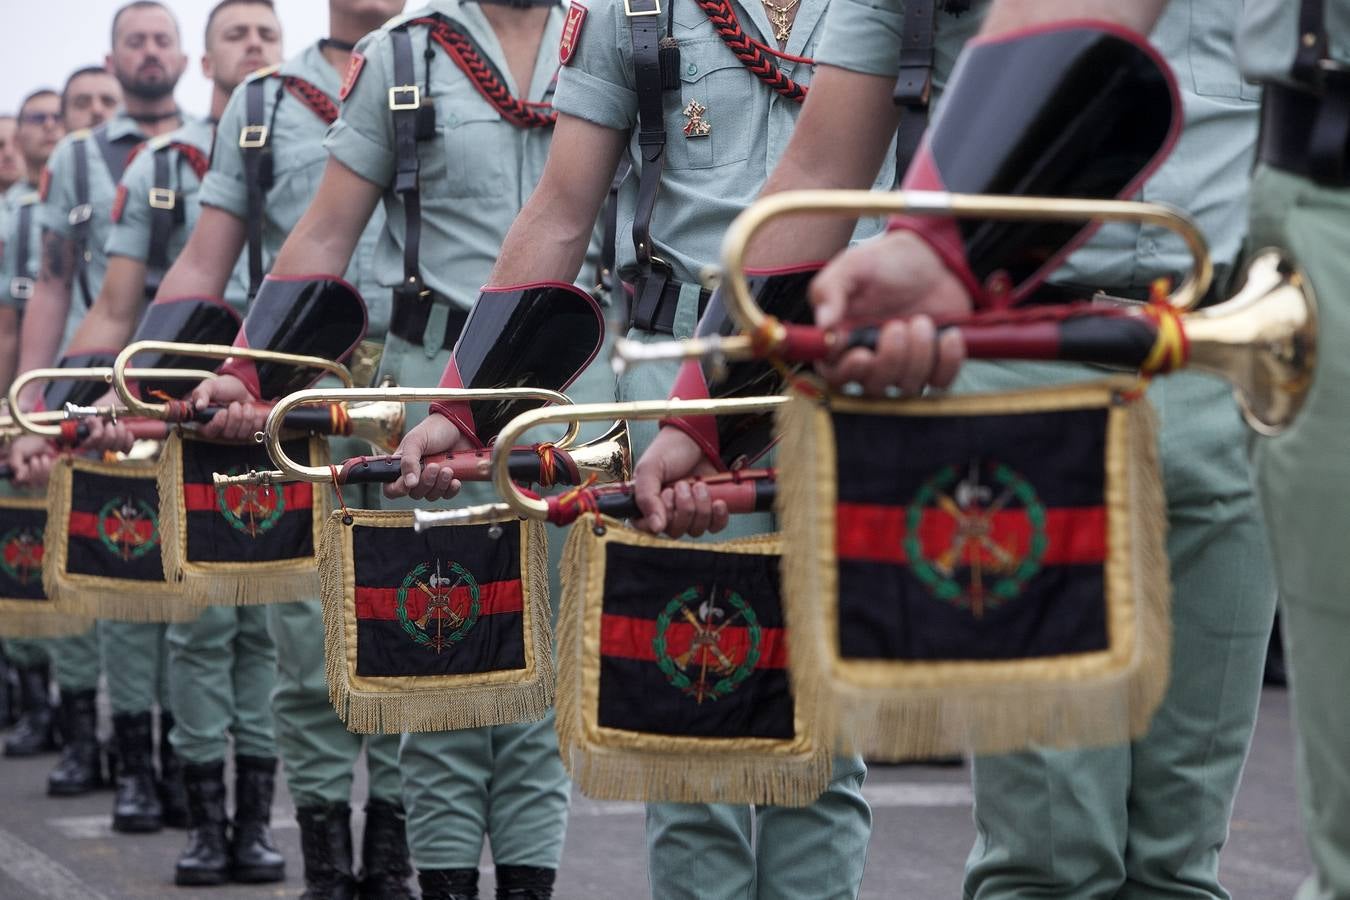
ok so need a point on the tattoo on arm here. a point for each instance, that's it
(58, 258)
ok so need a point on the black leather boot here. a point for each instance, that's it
(525, 883)
(136, 806)
(326, 842)
(448, 884)
(172, 793)
(79, 769)
(384, 853)
(204, 860)
(34, 732)
(9, 694)
(253, 856)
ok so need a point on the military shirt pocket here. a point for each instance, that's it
(712, 79)
(1211, 50)
(471, 135)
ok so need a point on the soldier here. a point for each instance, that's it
(78, 195)
(222, 666)
(263, 174)
(1147, 818)
(736, 73)
(91, 95)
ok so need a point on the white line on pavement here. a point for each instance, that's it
(44, 876)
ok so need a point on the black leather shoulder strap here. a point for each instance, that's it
(914, 85)
(1313, 43)
(166, 212)
(22, 284)
(405, 104)
(256, 143)
(80, 217)
(644, 24)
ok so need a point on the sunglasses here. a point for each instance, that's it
(39, 118)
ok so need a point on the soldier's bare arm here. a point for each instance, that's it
(44, 319)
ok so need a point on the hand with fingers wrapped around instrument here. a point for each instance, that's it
(434, 434)
(897, 276)
(106, 436)
(680, 510)
(241, 418)
(31, 458)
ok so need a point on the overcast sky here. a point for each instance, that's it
(45, 40)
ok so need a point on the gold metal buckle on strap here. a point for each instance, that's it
(163, 198)
(628, 10)
(253, 137)
(81, 214)
(21, 288)
(397, 93)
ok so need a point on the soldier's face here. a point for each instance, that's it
(39, 129)
(146, 56)
(368, 9)
(10, 169)
(243, 38)
(91, 100)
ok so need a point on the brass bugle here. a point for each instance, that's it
(30, 424)
(9, 429)
(370, 470)
(166, 411)
(555, 509)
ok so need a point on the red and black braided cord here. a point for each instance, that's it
(521, 113)
(195, 158)
(318, 102)
(755, 56)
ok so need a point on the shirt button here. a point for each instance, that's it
(691, 69)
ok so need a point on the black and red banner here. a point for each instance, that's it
(21, 552)
(113, 527)
(693, 644)
(244, 523)
(447, 601)
(971, 537)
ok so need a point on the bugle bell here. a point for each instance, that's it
(1263, 340)
(748, 491)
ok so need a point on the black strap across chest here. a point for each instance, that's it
(256, 145)
(414, 121)
(115, 155)
(21, 285)
(166, 214)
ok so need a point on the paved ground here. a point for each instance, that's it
(64, 848)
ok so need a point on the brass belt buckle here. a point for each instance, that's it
(253, 137)
(405, 97)
(163, 198)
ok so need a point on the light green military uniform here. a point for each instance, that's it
(1301, 474)
(696, 850)
(222, 665)
(505, 782)
(137, 680)
(1146, 819)
(316, 748)
(21, 652)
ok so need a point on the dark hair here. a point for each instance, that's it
(142, 4)
(40, 92)
(80, 73)
(224, 4)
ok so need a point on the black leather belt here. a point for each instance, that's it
(409, 316)
(662, 319)
(1307, 133)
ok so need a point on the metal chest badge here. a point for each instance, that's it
(571, 33)
(697, 126)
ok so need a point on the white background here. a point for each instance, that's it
(46, 40)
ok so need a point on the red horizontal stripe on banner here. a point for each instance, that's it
(631, 638)
(869, 533)
(202, 497)
(85, 525)
(493, 598)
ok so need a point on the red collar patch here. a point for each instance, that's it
(571, 34)
(119, 203)
(358, 62)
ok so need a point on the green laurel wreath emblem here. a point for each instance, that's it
(706, 648)
(125, 542)
(438, 608)
(974, 530)
(21, 554)
(250, 509)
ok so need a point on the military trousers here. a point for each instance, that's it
(135, 663)
(76, 659)
(25, 653)
(1148, 819)
(222, 669)
(1304, 481)
(701, 851)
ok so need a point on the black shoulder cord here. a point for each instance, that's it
(256, 143)
(165, 213)
(644, 23)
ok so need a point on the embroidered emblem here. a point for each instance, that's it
(21, 554)
(354, 67)
(250, 508)
(992, 535)
(697, 126)
(714, 665)
(128, 528)
(44, 184)
(453, 604)
(571, 33)
(119, 203)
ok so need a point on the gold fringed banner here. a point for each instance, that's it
(437, 631)
(243, 544)
(102, 555)
(976, 574)
(25, 609)
(672, 673)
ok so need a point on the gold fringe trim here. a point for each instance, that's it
(93, 596)
(899, 711)
(609, 765)
(233, 583)
(40, 622)
(372, 705)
